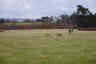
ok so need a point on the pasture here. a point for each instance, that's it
(18, 24)
(33, 47)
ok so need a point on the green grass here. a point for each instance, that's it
(33, 47)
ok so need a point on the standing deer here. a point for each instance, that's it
(59, 35)
(70, 31)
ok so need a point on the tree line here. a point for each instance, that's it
(82, 18)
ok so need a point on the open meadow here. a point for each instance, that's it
(34, 47)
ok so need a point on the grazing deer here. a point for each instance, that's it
(71, 31)
(59, 35)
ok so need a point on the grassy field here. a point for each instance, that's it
(19, 24)
(33, 47)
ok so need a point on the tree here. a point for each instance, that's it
(1, 21)
(38, 20)
(45, 19)
(83, 11)
(83, 17)
(1, 24)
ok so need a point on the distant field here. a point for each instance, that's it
(18, 24)
(33, 47)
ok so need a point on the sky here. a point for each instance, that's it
(39, 8)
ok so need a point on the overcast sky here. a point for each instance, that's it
(39, 8)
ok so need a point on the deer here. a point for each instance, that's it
(59, 35)
(71, 31)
